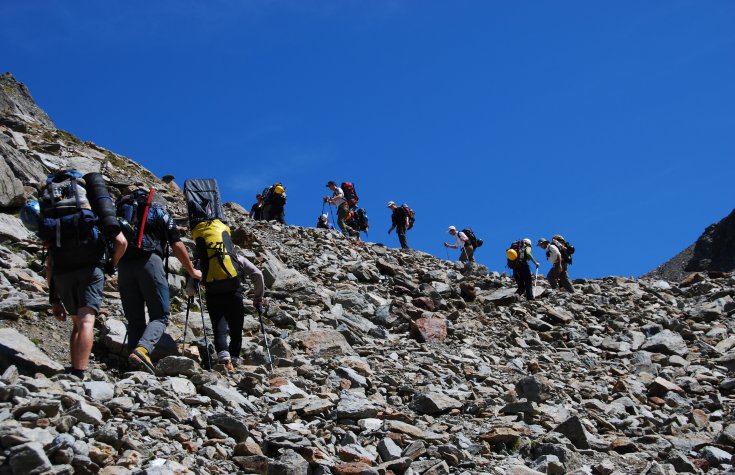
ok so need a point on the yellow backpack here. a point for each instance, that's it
(221, 271)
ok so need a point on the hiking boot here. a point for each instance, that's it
(139, 359)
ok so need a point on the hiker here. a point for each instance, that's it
(343, 209)
(142, 277)
(274, 202)
(461, 241)
(399, 222)
(558, 273)
(323, 222)
(256, 211)
(227, 312)
(521, 269)
(71, 222)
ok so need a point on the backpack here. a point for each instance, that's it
(132, 210)
(203, 200)
(350, 194)
(68, 224)
(515, 254)
(472, 238)
(358, 219)
(411, 215)
(275, 195)
(221, 271)
(565, 248)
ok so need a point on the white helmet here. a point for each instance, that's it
(526, 241)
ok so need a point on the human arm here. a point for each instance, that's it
(256, 277)
(121, 245)
(179, 250)
(529, 255)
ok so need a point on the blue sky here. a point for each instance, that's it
(610, 123)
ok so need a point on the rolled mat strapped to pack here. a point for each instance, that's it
(203, 200)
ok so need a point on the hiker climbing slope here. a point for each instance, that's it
(343, 209)
(557, 275)
(461, 242)
(400, 222)
(518, 254)
(69, 219)
(142, 279)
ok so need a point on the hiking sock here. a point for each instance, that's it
(79, 373)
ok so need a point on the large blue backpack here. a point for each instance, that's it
(68, 224)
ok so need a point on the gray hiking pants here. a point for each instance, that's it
(343, 212)
(558, 278)
(142, 284)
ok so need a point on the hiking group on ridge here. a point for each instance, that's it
(88, 235)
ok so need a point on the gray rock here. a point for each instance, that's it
(12, 229)
(16, 100)
(18, 350)
(666, 342)
(230, 425)
(29, 459)
(288, 463)
(388, 450)
(99, 391)
(11, 189)
(86, 413)
(178, 365)
(573, 429)
(715, 456)
(433, 403)
(227, 396)
(353, 405)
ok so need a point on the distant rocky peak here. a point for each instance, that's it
(17, 105)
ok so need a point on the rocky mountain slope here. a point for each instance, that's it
(714, 251)
(386, 361)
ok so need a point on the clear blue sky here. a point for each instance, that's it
(612, 123)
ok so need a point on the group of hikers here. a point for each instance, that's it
(352, 219)
(87, 235)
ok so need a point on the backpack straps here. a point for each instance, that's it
(145, 217)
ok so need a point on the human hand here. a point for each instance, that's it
(197, 274)
(537, 265)
(59, 311)
(446, 245)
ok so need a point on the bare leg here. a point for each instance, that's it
(82, 337)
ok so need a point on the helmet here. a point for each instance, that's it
(391, 203)
(279, 189)
(511, 254)
(542, 241)
(324, 217)
(526, 241)
(31, 215)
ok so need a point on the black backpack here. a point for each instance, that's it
(565, 248)
(472, 238)
(68, 224)
(358, 219)
(520, 250)
(132, 210)
(203, 200)
(411, 215)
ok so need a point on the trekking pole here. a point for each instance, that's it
(265, 337)
(535, 281)
(446, 249)
(204, 327)
(186, 322)
(331, 214)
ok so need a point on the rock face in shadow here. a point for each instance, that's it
(714, 251)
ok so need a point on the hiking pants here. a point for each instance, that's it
(401, 232)
(277, 213)
(524, 279)
(468, 253)
(558, 278)
(343, 212)
(142, 284)
(227, 314)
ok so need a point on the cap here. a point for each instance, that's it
(542, 241)
(330, 183)
(324, 217)
(451, 228)
(391, 203)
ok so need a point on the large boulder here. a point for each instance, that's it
(18, 350)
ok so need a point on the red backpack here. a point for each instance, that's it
(350, 194)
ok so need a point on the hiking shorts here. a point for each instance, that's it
(80, 288)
